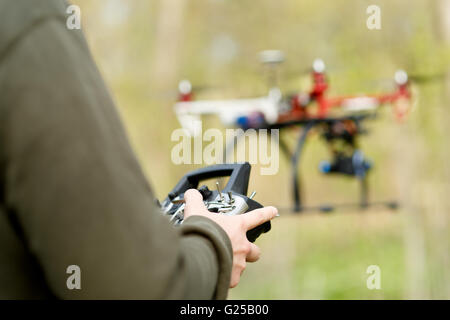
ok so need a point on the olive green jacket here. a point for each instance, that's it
(72, 191)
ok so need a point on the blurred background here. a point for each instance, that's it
(145, 47)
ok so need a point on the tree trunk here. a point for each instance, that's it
(168, 42)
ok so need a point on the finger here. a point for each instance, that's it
(255, 253)
(259, 216)
(235, 277)
(194, 202)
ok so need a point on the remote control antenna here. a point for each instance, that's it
(219, 191)
(230, 197)
(252, 195)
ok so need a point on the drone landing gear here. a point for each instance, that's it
(347, 160)
(350, 163)
(324, 208)
(295, 160)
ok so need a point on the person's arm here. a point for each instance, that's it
(77, 189)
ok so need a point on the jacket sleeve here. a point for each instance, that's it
(77, 189)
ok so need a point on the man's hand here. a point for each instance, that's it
(235, 227)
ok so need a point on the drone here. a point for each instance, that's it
(338, 119)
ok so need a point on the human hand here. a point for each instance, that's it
(235, 227)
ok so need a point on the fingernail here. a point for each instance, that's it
(276, 212)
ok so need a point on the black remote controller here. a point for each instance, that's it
(232, 200)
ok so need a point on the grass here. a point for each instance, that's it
(318, 256)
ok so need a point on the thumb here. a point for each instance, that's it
(193, 203)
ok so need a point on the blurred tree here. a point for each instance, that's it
(168, 38)
(442, 27)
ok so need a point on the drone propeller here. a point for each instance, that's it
(400, 77)
(318, 66)
(426, 78)
(185, 86)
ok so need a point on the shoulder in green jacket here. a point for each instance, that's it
(73, 192)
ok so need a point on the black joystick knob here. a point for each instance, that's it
(205, 192)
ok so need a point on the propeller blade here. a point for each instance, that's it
(425, 78)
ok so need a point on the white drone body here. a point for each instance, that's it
(228, 111)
